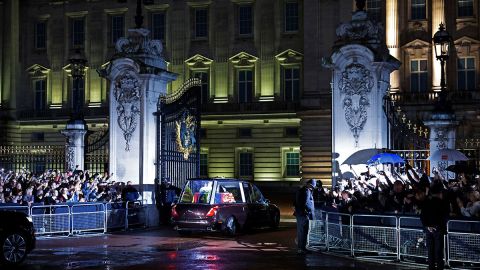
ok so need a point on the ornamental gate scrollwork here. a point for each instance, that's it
(178, 122)
(355, 85)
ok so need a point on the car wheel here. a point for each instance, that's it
(231, 226)
(275, 220)
(14, 248)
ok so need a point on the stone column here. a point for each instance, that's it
(442, 135)
(438, 16)
(138, 79)
(392, 40)
(361, 67)
(75, 147)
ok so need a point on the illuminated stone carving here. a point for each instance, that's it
(127, 95)
(355, 85)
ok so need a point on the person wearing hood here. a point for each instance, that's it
(304, 211)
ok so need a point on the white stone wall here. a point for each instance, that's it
(358, 120)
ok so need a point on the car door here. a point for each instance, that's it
(257, 206)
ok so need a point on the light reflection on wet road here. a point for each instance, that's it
(164, 249)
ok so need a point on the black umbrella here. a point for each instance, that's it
(462, 168)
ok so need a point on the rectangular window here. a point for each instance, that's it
(201, 23)
(245, 20)
(418, 76)
(244, 132)
(78, 32)
(204, 87)
(465, 8)
(204, 164)
(158, 26)
(245, 86)
(466, 74)
(40, 94)
(40, 35)
(292, 164)
(291, 83)
(418, 9)
(374, 9)
(291, 16)
(118, 27)
(78, 89)
(245, 165)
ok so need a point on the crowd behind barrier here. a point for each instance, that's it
(377, 215)
(71, 202)
(80, 218)
(391, 237)
(53, 187)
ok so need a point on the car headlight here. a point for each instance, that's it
(29, 218)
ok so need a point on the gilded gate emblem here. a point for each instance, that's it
(185, 134)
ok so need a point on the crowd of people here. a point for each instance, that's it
(401, 191)
(54, 186)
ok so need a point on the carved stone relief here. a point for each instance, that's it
(127, 95)
(138, 42)
(355, 85)
(441, 137)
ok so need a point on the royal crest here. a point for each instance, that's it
(355, 86)
(185, 134)
(127, 95)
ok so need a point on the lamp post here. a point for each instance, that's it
(442, 42)
(77, 65)
(76, 127)
(442, 122)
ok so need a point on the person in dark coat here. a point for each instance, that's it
(304, 211)
(169, 193)
(434, 217)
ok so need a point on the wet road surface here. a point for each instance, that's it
(165, 249)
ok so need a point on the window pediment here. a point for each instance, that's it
(37, 70)
(417, 47)
(289, 57)
(198, 62)
(243, 59)
(464, 45)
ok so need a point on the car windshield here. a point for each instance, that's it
(197, 191)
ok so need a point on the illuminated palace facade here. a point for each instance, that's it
(266, 99)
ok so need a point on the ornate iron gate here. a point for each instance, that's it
(178, 134)
(97, 151)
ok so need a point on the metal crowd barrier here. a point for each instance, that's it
(463, 241)
(398, 238)
(80, 218)
(51, 219)
(88, 218)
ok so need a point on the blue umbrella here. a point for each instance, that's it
(384, 158)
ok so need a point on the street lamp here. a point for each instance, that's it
(442, 42)
(77, 65)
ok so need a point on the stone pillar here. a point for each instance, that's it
(361, 67)
(138, 78)
(442, 135)
(75, 147)
(392, 40)
(438, 16)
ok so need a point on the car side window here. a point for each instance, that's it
(257, 196)
(228, 192)
(247, 190)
